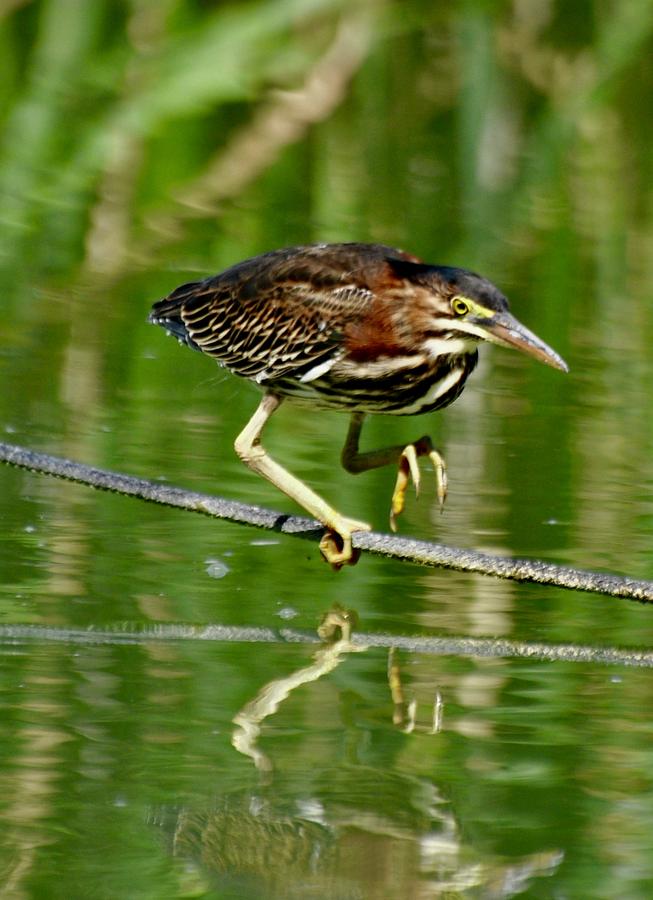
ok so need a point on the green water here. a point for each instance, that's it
(143, 145)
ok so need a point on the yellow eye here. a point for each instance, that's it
(460, 306)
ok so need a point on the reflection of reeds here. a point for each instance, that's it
(104, 121)
(282, 119)
(125, 88)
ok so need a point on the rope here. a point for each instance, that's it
(419, 552)
(434, 646)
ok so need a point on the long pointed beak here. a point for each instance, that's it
(504, 329)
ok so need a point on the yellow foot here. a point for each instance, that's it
(409, 469)
(336, 545)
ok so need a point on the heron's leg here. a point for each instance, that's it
(405, 456)
(336, 543)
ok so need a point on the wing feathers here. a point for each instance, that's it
(279, 314)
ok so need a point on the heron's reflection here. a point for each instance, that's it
(344, 831)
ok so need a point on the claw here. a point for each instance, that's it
(440, 469)
(399, 493)
(336, 546)
(408, 469)
(411, 456)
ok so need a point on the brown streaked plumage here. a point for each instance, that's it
(357, 327)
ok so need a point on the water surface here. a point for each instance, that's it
(151, 147)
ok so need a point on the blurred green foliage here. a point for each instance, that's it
(130, 127)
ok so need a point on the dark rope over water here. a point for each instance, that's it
(419, 552)
(16, 635)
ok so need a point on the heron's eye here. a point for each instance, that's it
(459, 306)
